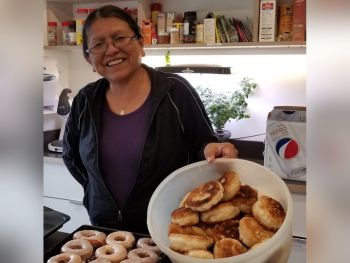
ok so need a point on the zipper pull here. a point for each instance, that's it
(120, 217)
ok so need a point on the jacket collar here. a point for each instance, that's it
(95, 93)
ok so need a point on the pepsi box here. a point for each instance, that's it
(285, 142)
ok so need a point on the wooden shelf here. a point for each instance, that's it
(217, 46)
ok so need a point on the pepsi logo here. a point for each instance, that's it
(287, 148)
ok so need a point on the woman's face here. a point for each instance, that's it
(115, 63)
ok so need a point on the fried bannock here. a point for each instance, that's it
(245, 198)
(205, 196)
(231, 183)
(221, 212)
(251, 232)
(269, 212)
(228, 247)
(184, 216)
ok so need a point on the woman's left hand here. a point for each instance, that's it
(215, 150)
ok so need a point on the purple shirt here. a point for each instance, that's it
(121, 145)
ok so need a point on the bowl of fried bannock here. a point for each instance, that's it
(228, 211)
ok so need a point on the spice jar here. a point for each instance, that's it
(163, 38)
(52, 33)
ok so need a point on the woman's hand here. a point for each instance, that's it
(215, 150)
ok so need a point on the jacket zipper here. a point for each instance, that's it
(119, 216)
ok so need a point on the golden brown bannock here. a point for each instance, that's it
(231, 183)
(228, 247)
(269, 212)
(251, 232)
(245, 198)
(226, 229)
(184, 216)
(205, 196)
(199, 253)
(220, 212)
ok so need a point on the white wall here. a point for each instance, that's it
(281, 78)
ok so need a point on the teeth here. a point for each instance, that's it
(115, 62)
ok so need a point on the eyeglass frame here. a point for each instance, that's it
(89, 50)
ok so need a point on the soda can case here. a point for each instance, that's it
(285, 142)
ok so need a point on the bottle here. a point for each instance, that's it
(167, 58)
(190, 27)
(155, 9)
(81, 14)
(52, 33)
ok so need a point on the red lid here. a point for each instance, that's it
(91, 10)
(82, 10)
(66, 23)
(52, 23)
(156, 7)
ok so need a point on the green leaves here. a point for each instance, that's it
(221, 107)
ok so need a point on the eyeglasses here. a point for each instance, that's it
(117, 42)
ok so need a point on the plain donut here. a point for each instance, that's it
(146, 242)
(123, 238)
(96, 238)
(115, 253)
(63, 257)
(144, 254)
(81, 247)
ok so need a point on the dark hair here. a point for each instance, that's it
(105, 12)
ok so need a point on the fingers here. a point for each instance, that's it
(215, 150)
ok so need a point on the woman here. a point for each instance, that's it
(130, 129)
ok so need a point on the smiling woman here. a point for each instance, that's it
(130, 129)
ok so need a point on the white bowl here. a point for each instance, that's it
(169, 193)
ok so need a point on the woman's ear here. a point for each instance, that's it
(142, 45)
(87, 58)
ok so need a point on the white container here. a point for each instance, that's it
(169, 193)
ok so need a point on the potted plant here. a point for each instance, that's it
(221, 107)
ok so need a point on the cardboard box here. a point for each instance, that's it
(299, 20)
(267, 21)
(285, 142)
(209, 30)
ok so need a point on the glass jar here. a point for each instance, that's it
(52, 33)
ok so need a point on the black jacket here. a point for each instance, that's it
(177, 133)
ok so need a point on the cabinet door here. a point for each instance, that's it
(76, 211)
(299, 215)
(58, 182)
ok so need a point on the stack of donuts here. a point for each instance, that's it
(223, 218)
(117, 247)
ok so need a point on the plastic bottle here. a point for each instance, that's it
(155, 9)
(81, 14)
(52, 33)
